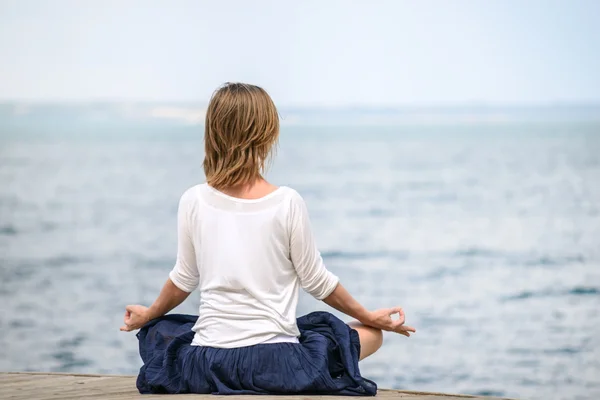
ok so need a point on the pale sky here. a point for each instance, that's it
(316, 52)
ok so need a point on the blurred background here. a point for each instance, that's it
(449, 153)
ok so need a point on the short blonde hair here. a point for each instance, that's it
(242, 125)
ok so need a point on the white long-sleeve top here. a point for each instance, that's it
(248, 258)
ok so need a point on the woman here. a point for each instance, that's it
(248, 246)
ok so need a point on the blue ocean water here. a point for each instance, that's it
(487, 234)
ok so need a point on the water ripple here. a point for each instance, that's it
(575, 291)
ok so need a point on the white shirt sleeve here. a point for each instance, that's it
(305, 256)
(185, 274)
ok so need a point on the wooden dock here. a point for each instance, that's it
(45, 386)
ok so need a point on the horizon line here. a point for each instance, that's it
(307, 106)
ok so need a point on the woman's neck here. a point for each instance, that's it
(250, 191)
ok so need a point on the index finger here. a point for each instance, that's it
(396, 310)
(400, 312)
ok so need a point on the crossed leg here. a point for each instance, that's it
(371, 339)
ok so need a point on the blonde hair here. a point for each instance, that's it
(242, 125)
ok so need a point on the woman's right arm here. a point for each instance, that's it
(323, 285)
(183, 278)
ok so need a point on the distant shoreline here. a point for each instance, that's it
(193, 113)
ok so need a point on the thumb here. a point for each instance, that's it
(400, 312)
(396, 310)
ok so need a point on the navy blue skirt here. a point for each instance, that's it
(324, 362)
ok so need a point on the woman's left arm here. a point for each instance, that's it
(183, 278)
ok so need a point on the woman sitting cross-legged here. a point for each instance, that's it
(248, 247)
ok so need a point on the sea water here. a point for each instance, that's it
(487, 234)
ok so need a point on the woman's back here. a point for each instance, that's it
(248, 246)
(248, 258)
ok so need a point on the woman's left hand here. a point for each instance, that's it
(135, 317)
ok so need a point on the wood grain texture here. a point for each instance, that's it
(46, 386)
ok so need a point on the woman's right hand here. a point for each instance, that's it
(135, 317)
(382, 319)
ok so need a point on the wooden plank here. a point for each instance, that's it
(7, 379)
(37, 373)
(448, 396)
(37, 382)
(50, 386)
(86, 387)
(11, 378)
